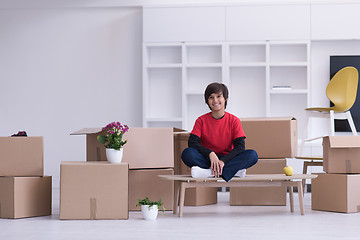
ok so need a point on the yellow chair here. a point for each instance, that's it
(341, 91)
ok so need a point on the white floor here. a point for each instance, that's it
(219, 221)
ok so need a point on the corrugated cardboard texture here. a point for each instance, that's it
(146, 147)
(21, 156)
(261, 195)
(336, 193)
(200, 196)
(146, 183)
(22, 197)
(149, 148)
(341, 154)
(271, 137)
(95, 151)
(193, 196)
(93, 190)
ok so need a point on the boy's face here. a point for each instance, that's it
(216, 101)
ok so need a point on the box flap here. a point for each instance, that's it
(85, 131)
(344, 141)
(178, 130)
(269, 119)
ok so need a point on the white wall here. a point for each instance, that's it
(68, 67)
(65, 69)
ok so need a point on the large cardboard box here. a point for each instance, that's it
(21, 156)
(146, 183)
(93, 190)
(194, 196)
(146, 147)
(336, 192)
(22, 197)
(271, 137)
(261, 196)
(341, 154)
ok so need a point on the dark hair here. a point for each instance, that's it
(216, 88)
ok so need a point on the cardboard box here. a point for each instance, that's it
(93, 190)
(21, 156)
(341, 154)
(271, 137)
(194, 196)
(146, 183)
(336, 193)
(22, 197)
(146, 147)
(180, 143)
(261, 196)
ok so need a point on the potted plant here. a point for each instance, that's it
(113, 141)
(149, 208)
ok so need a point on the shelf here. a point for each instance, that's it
(198, 78)
(259, 64)
(163, 54)
(203, 65)
(165, 65)
(288, 64)
(246, 53)
(291, 91)
(177, 75)
(203, 54)
(280, 52)
(194, 93)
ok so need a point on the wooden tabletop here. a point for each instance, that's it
(310, 158)
(249, 177)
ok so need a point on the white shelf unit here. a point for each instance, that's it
(265, 79)
(289, 66)
(162, 83)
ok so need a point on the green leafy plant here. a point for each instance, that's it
(113, 135)
(146, 201)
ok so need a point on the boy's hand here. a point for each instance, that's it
(216, 164)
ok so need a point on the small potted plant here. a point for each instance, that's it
(149, 208)
(113, 141)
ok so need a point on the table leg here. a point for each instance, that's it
(176, 196)
(301, 198)
(306, 164)
(291, 195)
(182, 198)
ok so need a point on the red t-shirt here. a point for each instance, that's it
(218, 134)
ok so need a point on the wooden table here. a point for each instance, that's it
(310, 161)
(257, 180)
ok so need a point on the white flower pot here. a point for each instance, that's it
(149, 213)
(114, 156)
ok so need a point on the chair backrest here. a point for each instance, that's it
(342, 89)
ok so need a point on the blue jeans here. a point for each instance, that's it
(192, 157)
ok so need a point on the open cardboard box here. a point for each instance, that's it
(274, 137)
(21, 156)
(146, 147)
(22, 197)
(341, 154)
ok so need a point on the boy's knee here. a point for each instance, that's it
(187, 153)
(253, 155)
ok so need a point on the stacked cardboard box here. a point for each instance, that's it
(93, 190)
(24, 191)
(149, 152)
(194, 196)
(274, 139)
(337, 190)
